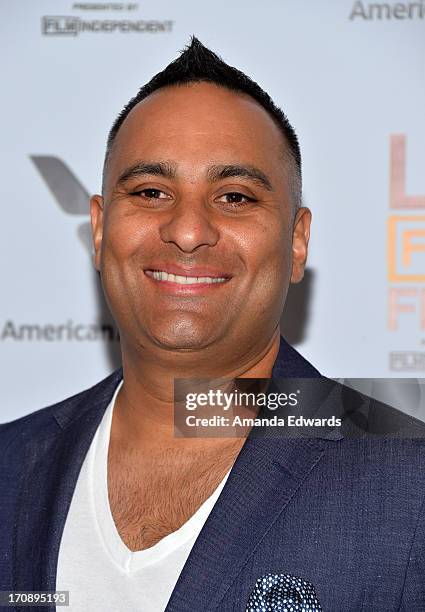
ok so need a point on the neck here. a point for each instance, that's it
(144, 410)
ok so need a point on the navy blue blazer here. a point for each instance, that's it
(344, 513)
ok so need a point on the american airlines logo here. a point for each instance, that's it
(68, 192)
(379, 11)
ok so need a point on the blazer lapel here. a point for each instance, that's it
(52, 464)
(265, 476)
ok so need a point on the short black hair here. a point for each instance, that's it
(197, 63)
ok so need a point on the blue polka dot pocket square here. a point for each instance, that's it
(283, 593)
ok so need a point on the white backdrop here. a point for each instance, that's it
(348, 74)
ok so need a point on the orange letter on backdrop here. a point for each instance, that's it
(398, 197)
(396, 306)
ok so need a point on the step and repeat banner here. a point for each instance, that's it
(350, 75)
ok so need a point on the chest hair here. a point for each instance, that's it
(152, 496)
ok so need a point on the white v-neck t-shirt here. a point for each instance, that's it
(95, 566)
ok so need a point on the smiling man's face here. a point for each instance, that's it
(195, 238)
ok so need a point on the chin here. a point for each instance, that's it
(181, 334)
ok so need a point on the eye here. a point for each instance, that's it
(235, 199)
(151, 194)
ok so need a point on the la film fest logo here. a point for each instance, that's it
(72, 25)
(406, 255)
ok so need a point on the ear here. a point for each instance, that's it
(300, 238)
(96, 214)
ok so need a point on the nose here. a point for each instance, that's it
(190, 226)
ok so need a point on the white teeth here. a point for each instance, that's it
(184, 280)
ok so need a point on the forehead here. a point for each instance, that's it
(199, 124)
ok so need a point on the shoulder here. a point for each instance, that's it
(381, 444)
(58, 414)
(367, 415)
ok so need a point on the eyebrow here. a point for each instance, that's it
(215, 173)
(141, 168)
(218, 172)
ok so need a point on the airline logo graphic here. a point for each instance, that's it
(73, 199)
(67, 191)
(377, 11)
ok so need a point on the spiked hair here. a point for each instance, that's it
(197, 63)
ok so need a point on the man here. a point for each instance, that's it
(197, 235)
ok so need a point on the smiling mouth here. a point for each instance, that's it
(161, 275)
